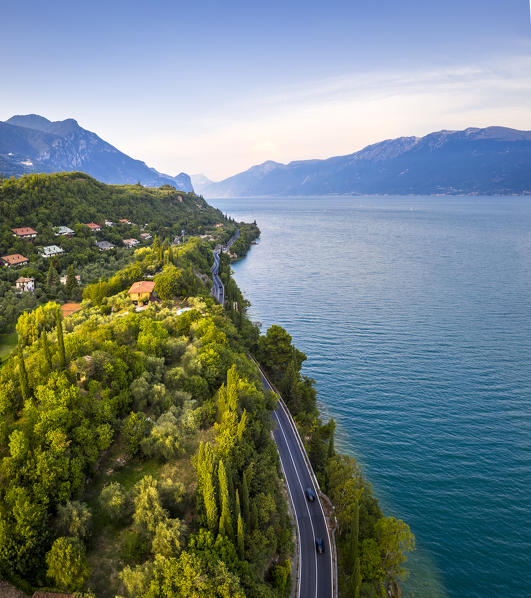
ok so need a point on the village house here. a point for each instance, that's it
(14, 260)
(51, 250)
(64, 231)
(95, 228)
(125, 221)
(104, 245)
(24, 232)
(219, 225)
(142, 292)
(109, 223)
(25, 285)
(145, 236)
(131, 242)
(64, 278)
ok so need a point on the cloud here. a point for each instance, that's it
(340, 115)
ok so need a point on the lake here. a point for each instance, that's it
(414, 313)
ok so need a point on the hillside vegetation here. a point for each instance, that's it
(45, 202)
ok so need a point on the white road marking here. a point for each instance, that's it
(305, 502)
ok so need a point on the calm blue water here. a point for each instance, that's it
(415, 316)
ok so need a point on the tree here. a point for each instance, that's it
(245, 499)
(225, 525)
(114, 502)
(67, 564)
(52, 278)
(22, 374)
(135, 428)
(168, 538)
(71, 282)
(74, 519)
(394, 539)
(240, 537)
(46, 349)
(148, 509)
(170, 283)
(60, 338)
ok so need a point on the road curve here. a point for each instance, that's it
(316, 570)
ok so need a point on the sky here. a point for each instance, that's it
(217, 86)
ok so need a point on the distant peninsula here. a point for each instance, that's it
(489, 161)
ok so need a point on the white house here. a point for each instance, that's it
(64, 231)
(109, 223)
(51, 250)
(25, 285)
(131, 242)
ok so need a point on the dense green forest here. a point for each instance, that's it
(136, 456)
(45, 202)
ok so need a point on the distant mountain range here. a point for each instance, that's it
(32, 143)
(494, 160)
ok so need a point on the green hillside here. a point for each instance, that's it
(44, 202)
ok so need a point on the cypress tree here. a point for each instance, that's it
(52, 276)
(240, 537)
(245, 500)
(225, 524)
(22, 373)
(238, 510)
(60, 339)
(209, 499)
(71, 282)
(46, 349)
(356, 571)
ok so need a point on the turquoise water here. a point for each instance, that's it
(415, 316)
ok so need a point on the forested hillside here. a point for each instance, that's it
(136, 450)
(46, 202)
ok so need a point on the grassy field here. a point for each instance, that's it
(7, 343)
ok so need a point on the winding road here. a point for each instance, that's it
(315, 572)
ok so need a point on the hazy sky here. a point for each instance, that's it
(216, 87)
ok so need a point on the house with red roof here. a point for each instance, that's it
(13, 260)
(94, 227)
(142, 292)
(24, 232)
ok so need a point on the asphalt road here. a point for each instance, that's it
(218, 288)
(315, 569)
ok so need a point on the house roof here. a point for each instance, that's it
(24, 230)
(64, 230)
(125, 220)
(93, 225)
(14, 259)
(143, 286)
(52, 249)
(70, 308)
(104, 245)
(22, 279)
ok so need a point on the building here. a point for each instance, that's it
(64, 278)
(51, 250)
(219, 225)
(64, 231)
(104, 245)
(24, 232)
(125, 221)
(109, 223)
(70, 308)
(145, 236)
(131, 242)
(25, 285)
(142, 292)
(95, 228)
(14, 260)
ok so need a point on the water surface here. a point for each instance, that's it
(414, 314)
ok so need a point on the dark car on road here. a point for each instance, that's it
(319, 545)
(310, 494)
